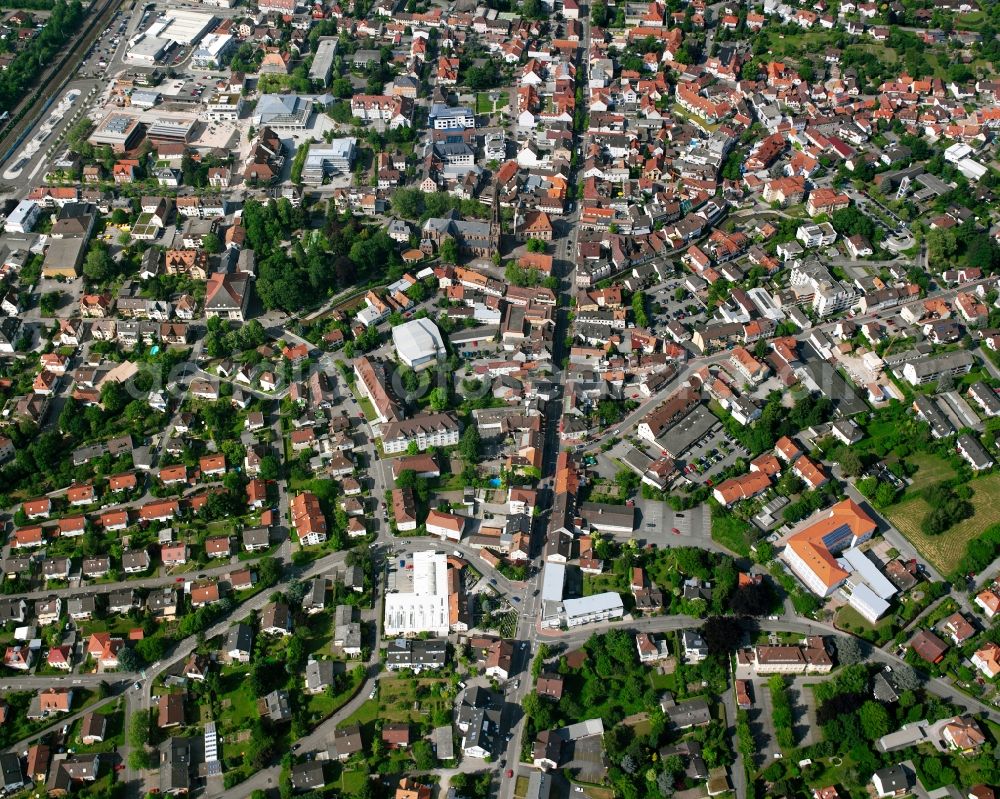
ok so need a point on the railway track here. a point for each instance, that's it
(51, 83)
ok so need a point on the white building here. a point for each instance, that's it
(418, 343)
(821, 235)
(212, 50)
(419, 602)
(445, 117)
(445, 525)
(594, 608)
(224, 107)
(427, 430)
(23, 218)
(323, 160)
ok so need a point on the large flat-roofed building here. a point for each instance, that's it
(810, 551)
(688, 431)
(324, 160)
(418, 343)
(64, 257)
(416, 600)
(322, 63)
(283, 111)
(182, 27)
(175, 130)
(147, 51)
(118, 131)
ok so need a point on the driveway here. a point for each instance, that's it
(762, 721)
(803, 713)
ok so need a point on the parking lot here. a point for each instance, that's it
(710, 456)
(588, 759)
(689, 310)
(656, 522)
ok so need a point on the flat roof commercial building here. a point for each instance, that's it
(64, 257)
(147, 50)
(182, 27)
(283, 111)
(418, 343)
(23, 218)
(324, 160)
(424, 607)
(118, 131)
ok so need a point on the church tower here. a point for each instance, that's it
(495, 227)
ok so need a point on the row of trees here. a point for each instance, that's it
(18, 76)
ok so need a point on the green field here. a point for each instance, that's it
(930, 469)
(946, 550)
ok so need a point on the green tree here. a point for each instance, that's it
(211, 243)
(874, 719)
(98, 266)
(439, 399)
(639, 309)
(449, 250)
(468, 444)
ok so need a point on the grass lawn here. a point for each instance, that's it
(366, 714)
(930, 469)
(946, 550)
(320, 632)
(849, 619)
(367, 408)
(599, 583)
(662, 682)
(732, 533)
(351, 782)
(694, 120)
(484, 105)
(239, 707)
(808, 42)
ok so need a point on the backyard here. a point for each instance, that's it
(414, 699)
